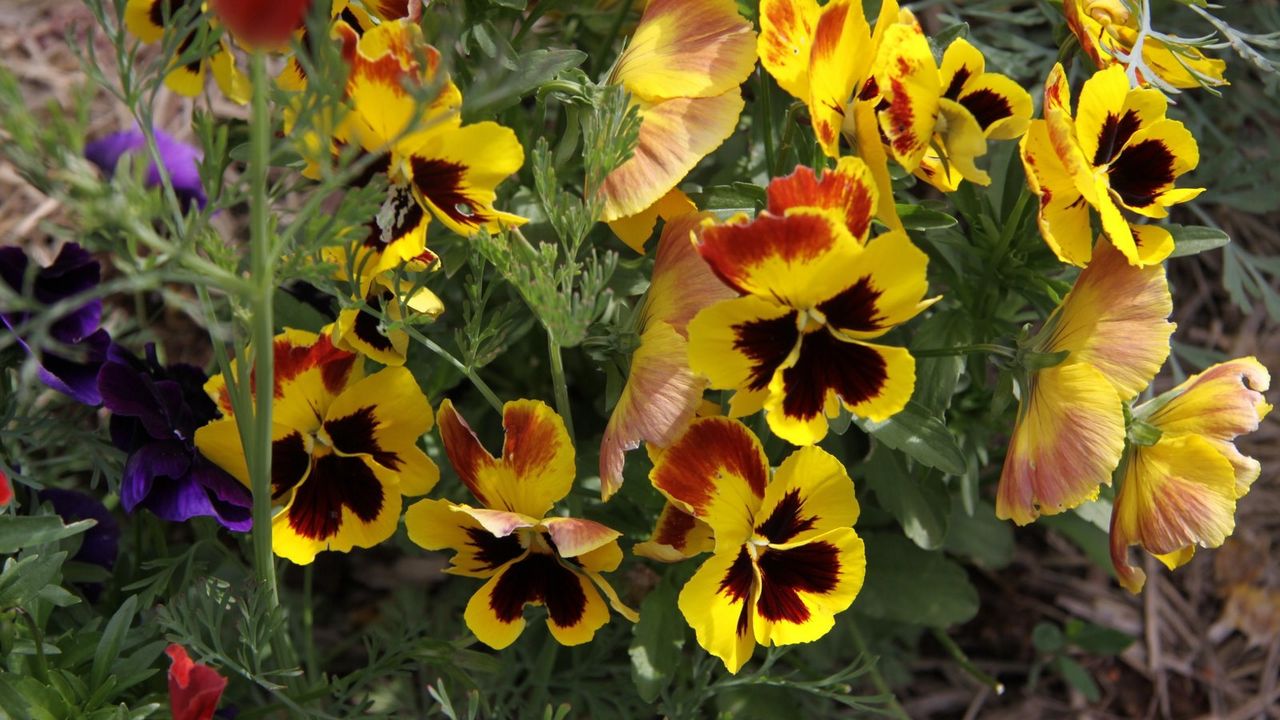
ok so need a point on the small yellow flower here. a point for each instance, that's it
(1119, 154)
(1106, 27)
(785, 558)
(1181, 490)
(146, 20)
(1070, 429)
(526, 556)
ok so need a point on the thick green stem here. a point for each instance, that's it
(262, 278)
(560, 386)
(965, 350)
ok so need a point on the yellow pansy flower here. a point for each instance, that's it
(1106, 27)
(146, 20)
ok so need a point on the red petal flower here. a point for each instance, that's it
(263, 24)
(6, 492)
(194, 689)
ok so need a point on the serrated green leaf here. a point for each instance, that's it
(920, 504)
(909, 585)
(1195, 239)
(921, 436)
(19, 531)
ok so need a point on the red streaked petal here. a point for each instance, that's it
(474, 465)
(847, 190)
(677, 535)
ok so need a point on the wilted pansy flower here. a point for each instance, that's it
(146, 20)
(155, 412)
(344, 447)
(1070, 430)
(72, 366)
(815, 292)
(662, 392)
(1119, 155)
(786, 558)
(682, 67)
(526, 556)
(180, 160)
(1183, 473)
(194, 688)
(1106, 27)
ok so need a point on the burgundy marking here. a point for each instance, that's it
(767, 343)
(957, 83)
(1141, 172)
(440, 181)
(810, 568)
(356, 434)
(493, 552)
(855, 308)
(785, 521)
(1115, 133)
(335, 482)
(855, 372)
(736, 585)
(289, 463)
(987, 106)
(539, 578)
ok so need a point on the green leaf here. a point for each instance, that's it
(980, 537)
(918, 502)
(1097, 639)
(659, 636)
(1047, 638)
(23, 579)
(909, 585)
(1077, 677)
(918, 217)
(19, 531)
(1195, 239)
(921, 435)
(736, 196)
(112, 640)
(533, 69)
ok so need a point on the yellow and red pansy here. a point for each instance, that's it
(294, 77)
(361, 329)
(1181, 483)
(1119, 154)
(785, 557)
(1113, 325)
(1106, 28)
(344, 447)
(824, 56)
(662, 392)
(146, 20)
(683, 66)
(813, 294)
(526, 556)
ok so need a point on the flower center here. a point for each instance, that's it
(811, 320)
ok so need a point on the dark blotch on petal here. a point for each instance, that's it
(855, 372)
(440, 182)
(811, 568)
(987, 106)
(1141, 172)
(785, 521)
(335, 482)
(767, 343)
(356, 434)
(539, 578)
(289, 463)
(492, 551)
(366, 326)
(854, 308)
(1115, 132)
(737, 584)
(957, 84)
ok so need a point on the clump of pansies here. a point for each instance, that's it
(801, 311)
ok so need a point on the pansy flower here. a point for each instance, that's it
(1182, 481)
(6, 490)
(975, 106)
(344, 447)
(682, 67)
(1113, 326)
(155, 411)
(786, 558)
(1119, 154)
(1106, 29)
(662, 391)
(194, 688)
(815, 292)
(360, 329)
(181, 161)
(825, 56)
(525, 555)
(146, 20)
(294, 77)
(79, 344)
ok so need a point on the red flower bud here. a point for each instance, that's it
(194, 689)
(6, 492)
(262, 23)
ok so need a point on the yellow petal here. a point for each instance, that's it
(803, 585)
(740, 343)
(848, 191)
(455, 172)
(687, 48)
(717, 603)
(574, 608)
(677, 535)
(381, 418)
(811, 493)
(786, 35)
(682, 282)
(436, 525)
(342, 504)
(1064, 215)
(634, 230)
(838, 61)
(908, 78)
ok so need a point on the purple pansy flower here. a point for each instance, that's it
(155, 412)
(73, 272)
(180, 159)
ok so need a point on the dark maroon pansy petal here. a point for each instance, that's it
(290, 462)
(786, 520)
(539, 578)
(355, 435)
(854, 308)
(737, 584)
(767, 343)
(855, 372)
(1115, 133)
(335, 483)
(810, 568)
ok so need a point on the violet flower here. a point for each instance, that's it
(155, 413)
(73, 272)
(180, 159)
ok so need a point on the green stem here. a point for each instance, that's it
(965, 350)
(494, 401)
(1011, 226)
(966, 664)
(262, 276)
(877, 679)
(308, 624)
(37, 637)
(558, 382)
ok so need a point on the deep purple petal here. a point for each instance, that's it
(77, 377)
(73, 272)
(105, 152)
(180, 159)
(232, 502)
(157, 463)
